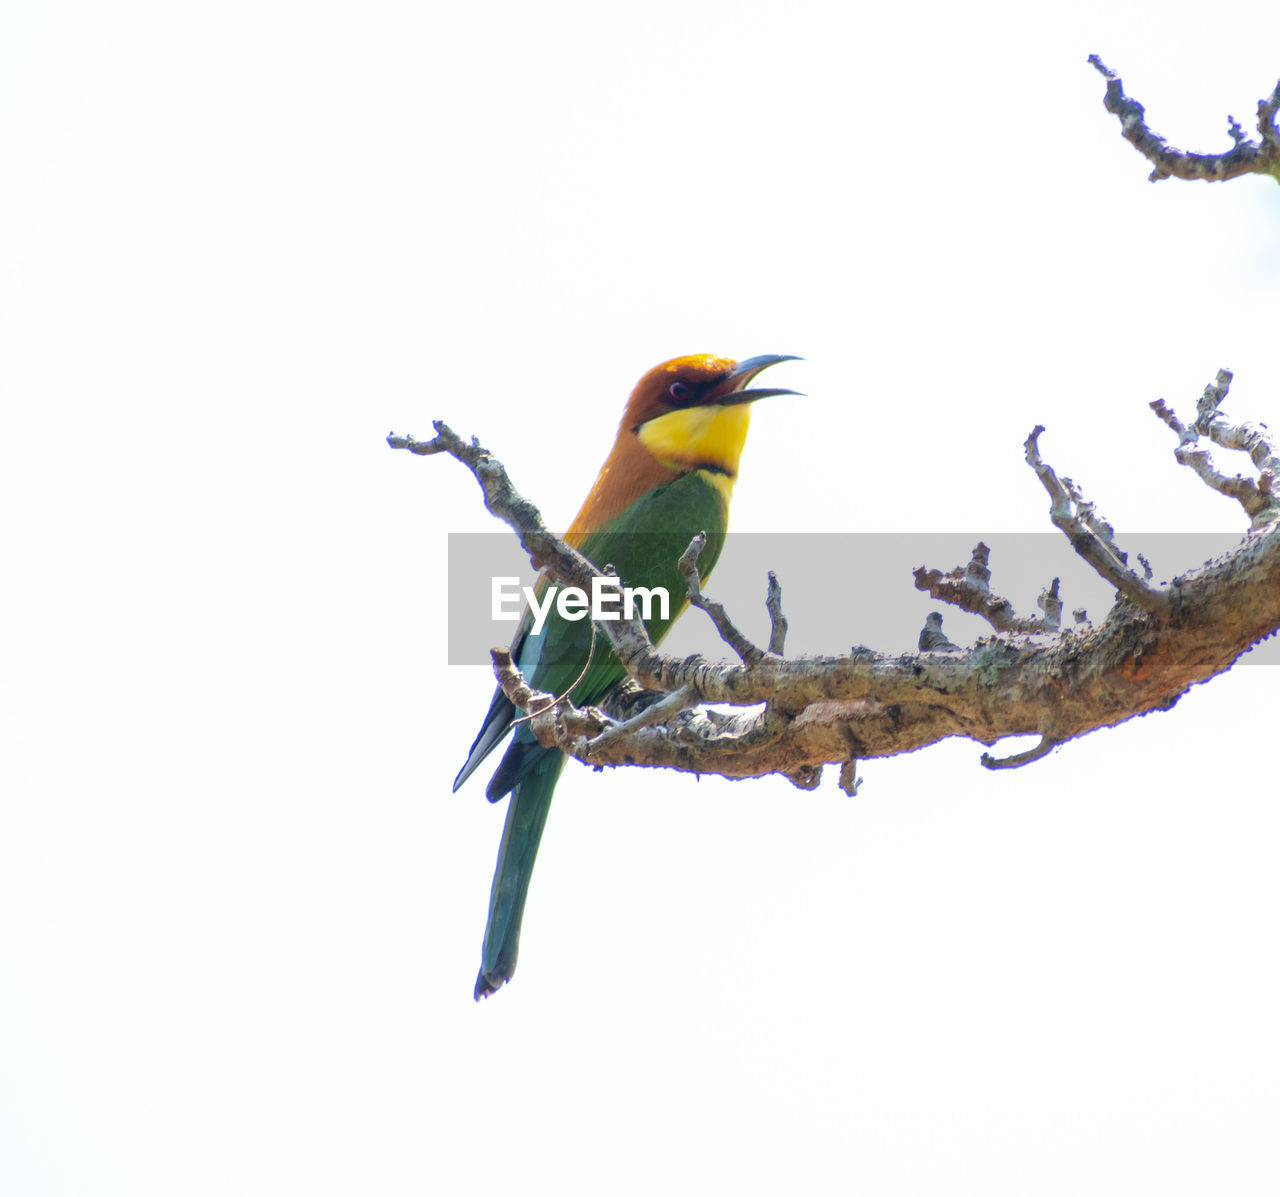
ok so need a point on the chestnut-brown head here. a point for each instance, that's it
(693, 412)
(690, 413)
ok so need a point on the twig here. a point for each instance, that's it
(559, 698)
(1259, 499)
(522, 695)
(629, 637)
(932, 637)
(811, 710)
(1245, 157)
(688, 565)
(658, 712)
(1051, 604)
(969, 589)
(777, 621)
(1047, 745)
(807, 777)
(1090, 536)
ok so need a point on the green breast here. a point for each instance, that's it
(643, 544)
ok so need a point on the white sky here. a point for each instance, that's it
(240, 911)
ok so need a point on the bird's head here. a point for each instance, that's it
(692, 412)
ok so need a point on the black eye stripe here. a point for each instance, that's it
(679, 391)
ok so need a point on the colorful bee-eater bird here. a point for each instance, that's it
(668, 477)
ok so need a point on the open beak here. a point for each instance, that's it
(732, 390)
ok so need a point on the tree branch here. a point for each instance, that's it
(1153, 646)
(1244, 158)
(969, 588)
(1259, 499)
(1090, 535)
(777, 621)
(729, 633)
(1038, 753)
(562, 562)
(932, 638)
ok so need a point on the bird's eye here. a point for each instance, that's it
(678, 391)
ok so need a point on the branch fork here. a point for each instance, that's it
(793, 715)
(1259, 499)
(1091, 536)
(1245, 157)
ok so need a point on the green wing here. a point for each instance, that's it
(643, 544)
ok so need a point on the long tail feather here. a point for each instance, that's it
(526, 817)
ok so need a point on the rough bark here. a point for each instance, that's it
(1030, 677)
(1246, 157)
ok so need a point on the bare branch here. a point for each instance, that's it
(629, 637)
(932, 638)
(1259, 499)
(1051, 605)
(1090, 536)
(1267, 120)
(546, 551)
(869, 704)
(777, 621)
(813, 710)
(970, 590)
(1039, 752)
(658, 712)
(729, 633)
(523, 696)
(1245, 157)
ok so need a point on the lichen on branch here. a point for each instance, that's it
(1031, 678)
(1246, 157)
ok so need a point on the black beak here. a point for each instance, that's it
(731, 392)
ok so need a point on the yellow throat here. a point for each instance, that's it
(709, 438)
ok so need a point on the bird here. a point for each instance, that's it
(669, 476)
